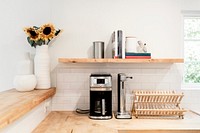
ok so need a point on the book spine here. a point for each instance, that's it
(138, 54)
(116, 43)
(138, 57)
(119, 36)
(123, 45)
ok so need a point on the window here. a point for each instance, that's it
(192, 51)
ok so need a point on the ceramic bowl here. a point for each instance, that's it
(25, 82)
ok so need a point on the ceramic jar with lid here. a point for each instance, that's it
(131, 44)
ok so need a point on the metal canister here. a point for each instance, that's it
(98, 49)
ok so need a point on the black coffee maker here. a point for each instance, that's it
(100, 96)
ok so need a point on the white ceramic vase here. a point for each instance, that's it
(42, 67)
(25, 66)
(25, 82)
(24, 79)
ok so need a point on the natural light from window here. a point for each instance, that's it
(192, 51)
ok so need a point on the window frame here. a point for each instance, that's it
(188, 14)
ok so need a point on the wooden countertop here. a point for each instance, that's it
(71, 122)
(14, 104)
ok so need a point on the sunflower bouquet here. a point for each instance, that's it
(38, 36)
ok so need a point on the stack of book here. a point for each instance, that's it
(129, 55)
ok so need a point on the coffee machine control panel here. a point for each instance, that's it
(100, 80)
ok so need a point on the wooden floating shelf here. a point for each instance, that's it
(14, 105)
(110, 60)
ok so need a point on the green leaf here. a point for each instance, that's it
(48, 41)
(40, 42)
(57, 32)
(31, 42)
(35, 27)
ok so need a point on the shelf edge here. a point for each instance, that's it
(111, 60)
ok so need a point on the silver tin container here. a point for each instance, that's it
(98, 49)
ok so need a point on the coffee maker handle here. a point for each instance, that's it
(103, 107)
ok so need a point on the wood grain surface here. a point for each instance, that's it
(67, 122)
(15, 104)
(71, 122)
(110, 60)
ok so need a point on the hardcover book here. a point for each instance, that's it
(114, 45)
(138, 57)
(137, 54)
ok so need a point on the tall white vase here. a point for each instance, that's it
(42, 67)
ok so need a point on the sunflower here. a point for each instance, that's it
(32, 33)
(38, 36)
(47, 32)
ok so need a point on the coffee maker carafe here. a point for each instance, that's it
(100, 96)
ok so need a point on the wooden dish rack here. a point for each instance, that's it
(157, 103)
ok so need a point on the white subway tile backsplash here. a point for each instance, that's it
(146, 79)
(132, 72)
(162, 86)
(155, 66)
(62, 85)
(148, 86)
(54, 101)
(74, 93)
(60, 77)
(131, 85)
(59, 94)
(63, 70)
(73, 83)
(175, 86)
(61, 100)
(87, 99)
(61, 91)
(76, 86)
(74, 100)
(114, 99)
(57, 107)
(148, 71)
(162, 71)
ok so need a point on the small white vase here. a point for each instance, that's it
(25, 82)
(42, 67)
(25, 66)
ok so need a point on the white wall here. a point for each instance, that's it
(15, 15)
(190, 4)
